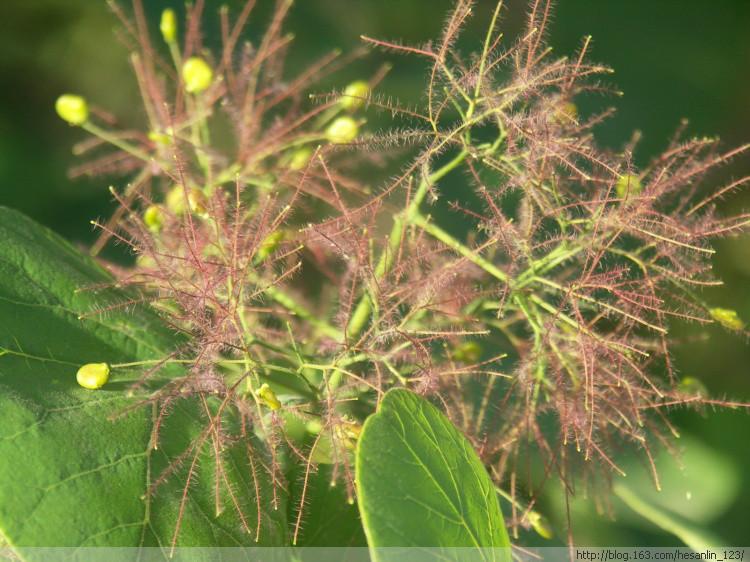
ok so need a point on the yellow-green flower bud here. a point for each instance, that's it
(566, 113)
(355, 95)
(468, 352)
(266, 395)
(540, 524)
(727, 318)
(93, 375)
(692, 387)
(72, 108)
(351, 429)
(175, 200)
(269, 245)
(197, 75)
(168, 25)
(342, 131)
(628, 185)
(198, 202)
(314, 427)
(160, 138)
(299, 158)
(144, 261)
(153, 217)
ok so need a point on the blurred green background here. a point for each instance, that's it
(673, 59)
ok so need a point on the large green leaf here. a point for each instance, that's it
(420, 482)
(70, 475)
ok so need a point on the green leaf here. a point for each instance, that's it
(420, 482)
(72, 472)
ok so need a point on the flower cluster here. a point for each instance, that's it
(304, 294)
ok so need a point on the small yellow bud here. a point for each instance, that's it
(197, 75)
(355, 95)
(727, 318)
(468, 352)
(159, 138)
(266, 395)
(153, 217)
(540, 524)
(168, 25)
(342, 131)
(93, 375)
(627, 185)
(299, 158)
(72, 108)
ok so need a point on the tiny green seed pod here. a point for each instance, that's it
(268, 397)
(72, 108)
(153, 217)
(93, 375)
(468, 352)
(355, 95)
(197, 75)
(299, 158)
(342, 131)
(168, 26)
(727, 318)
(627, 185)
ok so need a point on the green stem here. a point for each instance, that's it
(113, 140)
(288, 302)
(362, 312)
(439, 234)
